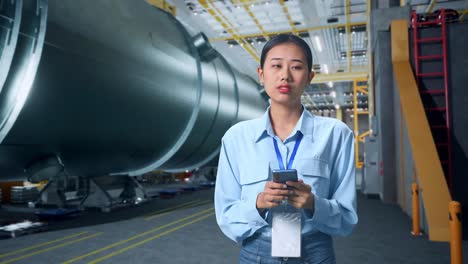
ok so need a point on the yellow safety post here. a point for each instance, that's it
(455, 232)
(416, 228)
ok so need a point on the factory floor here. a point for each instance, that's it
(183, 229)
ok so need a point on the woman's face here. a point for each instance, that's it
(285, 74)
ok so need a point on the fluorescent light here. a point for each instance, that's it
(325, 68)
(317, 43)
(330, 84)
(333, 94)
(337, 106)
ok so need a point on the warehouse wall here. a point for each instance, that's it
(458, 78)
(383, 83)
(404, 163)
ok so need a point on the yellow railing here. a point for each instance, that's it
(357, 88)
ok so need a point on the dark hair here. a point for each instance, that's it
(287, 38)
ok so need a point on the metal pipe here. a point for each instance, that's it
(123, 93)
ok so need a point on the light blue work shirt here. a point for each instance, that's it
(324, 160)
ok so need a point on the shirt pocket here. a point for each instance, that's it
(316, 173)
(253, 179)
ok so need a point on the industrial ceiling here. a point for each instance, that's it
(336, 30)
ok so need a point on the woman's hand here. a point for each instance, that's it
(273, 194)
(301, 196)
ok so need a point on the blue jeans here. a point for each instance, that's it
(315, 249)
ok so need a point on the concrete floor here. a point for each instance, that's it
(183, 230)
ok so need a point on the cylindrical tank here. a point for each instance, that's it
(122, 88)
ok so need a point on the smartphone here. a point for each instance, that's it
(282, 176)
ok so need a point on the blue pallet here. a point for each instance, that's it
(168, 193)
(189, 188)
(58, 214)
(207, 184)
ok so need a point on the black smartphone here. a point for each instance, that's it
(282, 176)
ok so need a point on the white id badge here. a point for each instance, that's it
(286, 235)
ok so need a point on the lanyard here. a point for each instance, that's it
(293, 154)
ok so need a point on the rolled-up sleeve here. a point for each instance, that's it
(237, 217)
(337, 215)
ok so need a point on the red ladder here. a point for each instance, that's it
(444, 142)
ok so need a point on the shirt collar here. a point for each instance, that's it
(305, 125)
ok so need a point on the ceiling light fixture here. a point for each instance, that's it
(333, 94)
(318, 45)
(325, 68)
(330, 84)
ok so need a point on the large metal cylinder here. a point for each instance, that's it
(121, 88)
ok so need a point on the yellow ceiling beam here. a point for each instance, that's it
(218, 15)
(289, 31)
(362, 90)
(164, 5)
(431, 6)
(370, 61)
(341, 76)
(286, 12)
(251, 14)
(348, 32)
(462, 13)
(309, 99)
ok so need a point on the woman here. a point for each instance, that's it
(324, 160)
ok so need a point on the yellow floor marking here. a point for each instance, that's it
(170, 209)
(134, 237)
(149, 239)
(183, 207)
(49, 249)
(43, 244)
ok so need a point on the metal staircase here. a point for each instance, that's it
(431, 72)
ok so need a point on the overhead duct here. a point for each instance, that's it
(117, 87)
